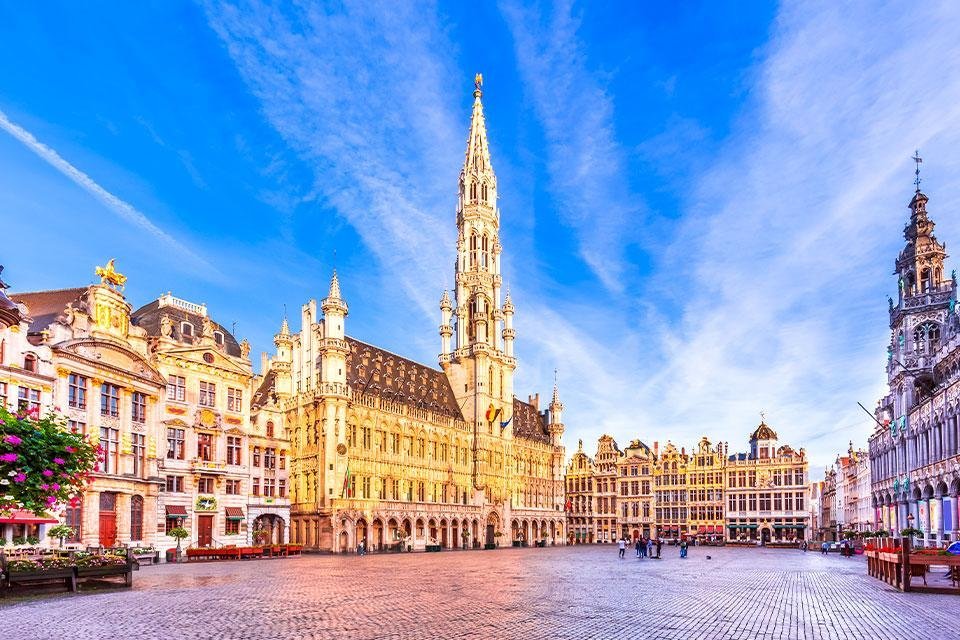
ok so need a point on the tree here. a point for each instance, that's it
(60, 532)
(43, 464)
(178, 534)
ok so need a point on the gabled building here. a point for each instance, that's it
(635, 491)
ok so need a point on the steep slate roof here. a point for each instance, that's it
(43, 307)
(528, 422)
(149, 316)
(763, 432)
(261, 396)
(376, 371)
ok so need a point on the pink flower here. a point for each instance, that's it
(12, 439)
(20, 477)
(70, 449)
(47, 472)
(55, 487)
(44, 486)
(59, 461)
(51, 500)
(8, 457)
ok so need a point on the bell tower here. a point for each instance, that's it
(476, 330)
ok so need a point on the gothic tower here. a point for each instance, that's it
(479, 363)
(924, 303)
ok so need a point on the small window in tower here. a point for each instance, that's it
(483, 192)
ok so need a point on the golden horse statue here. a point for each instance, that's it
(109, 275)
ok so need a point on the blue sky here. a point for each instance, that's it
(701, 205)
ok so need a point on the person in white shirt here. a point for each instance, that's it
(622, 544)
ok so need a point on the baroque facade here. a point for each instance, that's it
(915, 448)
(758, 496)
(393, 453)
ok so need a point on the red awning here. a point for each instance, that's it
(176, 511)
(233, 513)
(710, 528)
(26, 517)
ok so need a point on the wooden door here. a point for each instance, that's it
(108, 528)
(108, 519)
(490, 538)
(204, 530)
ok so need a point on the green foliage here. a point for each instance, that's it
(18, 540)
(910, 532)
(42, 463)
(179, 534)
(34, 540)
(60, 532)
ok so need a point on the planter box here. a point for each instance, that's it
(433, 548)
(100, 572)
(147, 558)
(516, 543)
(489, 546)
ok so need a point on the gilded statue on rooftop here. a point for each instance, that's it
(110, 276)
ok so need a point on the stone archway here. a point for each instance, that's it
(492, 528)
(377, 542)
(269, 529)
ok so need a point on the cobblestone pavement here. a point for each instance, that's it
(580, 592)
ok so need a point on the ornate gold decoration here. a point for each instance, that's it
(110, 276)
(207, 418)
(478, 80)
(342, 449)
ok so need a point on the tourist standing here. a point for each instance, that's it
(638, 544)
(622, 544)
(659, 544)
(683, 548)
(649, 547)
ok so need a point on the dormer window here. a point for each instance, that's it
(186, 329)
(30, 363)
(218, 337)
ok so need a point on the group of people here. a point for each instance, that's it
(645, 547)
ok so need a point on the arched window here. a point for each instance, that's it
(473, 191)
(186, 329)
(473, 249)
(30, 363)
(483, 192)
(926, 337)
(269, 428)
(925, 281)
(136, 518)
(483, 252)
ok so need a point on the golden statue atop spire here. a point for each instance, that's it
(478, 84)
(110, 276)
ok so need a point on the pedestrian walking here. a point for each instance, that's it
(803, 546)
(622, 544)
(659, 544)
(649, 547)
(683, 548)
(638, 544)
(824, 548)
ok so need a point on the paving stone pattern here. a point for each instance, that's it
(576, 593)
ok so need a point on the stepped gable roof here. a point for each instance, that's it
(261, 396)
(528, 422)
(43, 307)
(376, 371)
(149, 315)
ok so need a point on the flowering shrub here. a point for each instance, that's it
(42, 463)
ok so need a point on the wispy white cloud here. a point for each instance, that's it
(587, 170)
(790, 237)
(125, 210)
(364, 94)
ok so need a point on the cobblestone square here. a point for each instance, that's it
(577, 592)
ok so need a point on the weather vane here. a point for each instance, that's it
(763, 416)
(918, 160)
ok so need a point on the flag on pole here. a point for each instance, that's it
(491, 414)
(345, 491)
(503, 425)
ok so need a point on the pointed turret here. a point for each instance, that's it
(556, 417)
(509, 333)
(333, 346)
(446, 329)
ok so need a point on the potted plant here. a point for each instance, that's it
(911, 532)
(91, 565)
(60, 532)
(19, 541)
(179, 534)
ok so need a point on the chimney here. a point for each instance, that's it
(264, 363)
(534, 400)
(656, 447)
(683, 451)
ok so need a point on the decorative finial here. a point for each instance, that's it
(478, 85)
(763, 417)
(110, 276)
(917, 159)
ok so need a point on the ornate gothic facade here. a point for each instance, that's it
(915, 450)
(395, 453)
